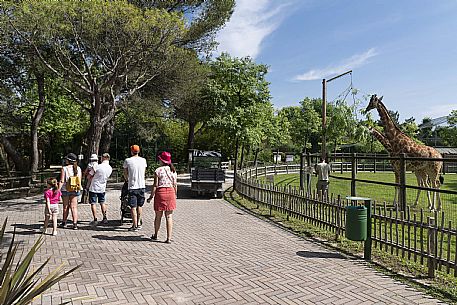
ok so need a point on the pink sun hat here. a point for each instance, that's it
(165, 157)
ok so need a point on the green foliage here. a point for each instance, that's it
(449, 133)
(305, 123)
(20, 285)
(240, 93)
(410, 128)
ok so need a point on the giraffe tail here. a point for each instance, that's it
(441, 179)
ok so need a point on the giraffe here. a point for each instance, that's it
(421, 174)
(401, 143)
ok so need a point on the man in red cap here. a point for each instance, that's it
(134, 174)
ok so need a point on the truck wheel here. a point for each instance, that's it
(219, 194)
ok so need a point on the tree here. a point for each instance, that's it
(342, 124)
(204, 19)
(105, 50)
(304, 121)
(410, 128)
(186, 96)
(449, 133)
(240, 93)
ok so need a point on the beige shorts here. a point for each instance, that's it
(54, 209)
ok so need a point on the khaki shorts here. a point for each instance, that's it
(54, 209)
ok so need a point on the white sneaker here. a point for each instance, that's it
(54, 233)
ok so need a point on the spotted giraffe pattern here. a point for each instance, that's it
(421, 174)
(400, 143)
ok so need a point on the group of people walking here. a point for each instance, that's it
(163, 191)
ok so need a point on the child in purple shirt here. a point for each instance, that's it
(52, 196)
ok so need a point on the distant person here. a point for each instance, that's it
(134, 174)
(164, 191)
(99, 177)
(70, 177)
(52, 196)
(88, 174)
(322, 173)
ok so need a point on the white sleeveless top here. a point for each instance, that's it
(166, 178)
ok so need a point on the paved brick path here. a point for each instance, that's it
(220, 255)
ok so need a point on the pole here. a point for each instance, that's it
(324, 110)
(324, 118)
(367, 244)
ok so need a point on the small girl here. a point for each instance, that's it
(52, 196)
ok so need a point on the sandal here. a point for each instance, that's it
(154, 237)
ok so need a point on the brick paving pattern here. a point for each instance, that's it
(219, 255)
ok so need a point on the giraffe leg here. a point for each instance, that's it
(419, 183)
(438, 197)
(422, 181)
(435, 183)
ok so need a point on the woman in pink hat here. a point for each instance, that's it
(164, 192)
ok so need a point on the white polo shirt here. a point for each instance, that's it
(102, 173)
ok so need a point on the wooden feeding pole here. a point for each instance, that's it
(324, 110)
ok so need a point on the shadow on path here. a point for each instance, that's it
(122, 238)
(313, 254)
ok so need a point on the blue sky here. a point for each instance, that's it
(403, 50)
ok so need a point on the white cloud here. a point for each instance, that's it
(354, 61)
(251, 22)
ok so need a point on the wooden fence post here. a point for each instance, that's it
(301, 171)
(402, 194)
(431, 261)
(374, 167)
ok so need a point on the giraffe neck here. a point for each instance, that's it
(381, 138)
(391, 130)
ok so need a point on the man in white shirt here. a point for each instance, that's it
(322, 172)
(99, 176)
(134, 174)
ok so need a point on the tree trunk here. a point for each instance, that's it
(256, 156)
(107, 135)
(94, 135)
(191, 135)
(237, 147)
(242, 156)
(5, 160)
(11, 151)
(36, 122)
(101, 114)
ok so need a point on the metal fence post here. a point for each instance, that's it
(431, 262)
(402, 194)
(353, 173)
(367, 244)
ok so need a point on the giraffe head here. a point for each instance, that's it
(374, 100)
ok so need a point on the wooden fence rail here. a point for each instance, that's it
(429, 241)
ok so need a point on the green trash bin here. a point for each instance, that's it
(356, 223)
